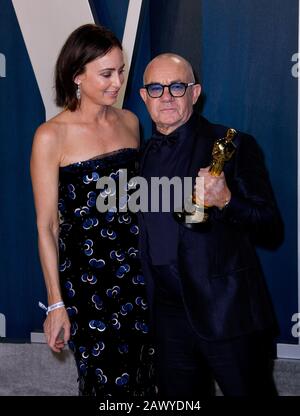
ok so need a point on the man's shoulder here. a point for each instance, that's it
(211, 128)
(215, 130)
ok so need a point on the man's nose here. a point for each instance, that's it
(166, 94)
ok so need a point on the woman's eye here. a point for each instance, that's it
(106, 74)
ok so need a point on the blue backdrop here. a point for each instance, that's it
(242, 53)
(21, 110)
(248, 84)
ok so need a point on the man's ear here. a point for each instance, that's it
(143, 94)
(196, 92)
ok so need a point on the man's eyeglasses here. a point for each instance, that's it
(176, 89)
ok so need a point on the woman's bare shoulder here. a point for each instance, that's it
(131, 126)
(128, 116)
(128, 120)
(48, 139)
(51, 131)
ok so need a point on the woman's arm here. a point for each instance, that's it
(44, 168)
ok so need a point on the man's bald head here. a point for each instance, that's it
(170, 57)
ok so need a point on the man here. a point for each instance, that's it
(210, 306)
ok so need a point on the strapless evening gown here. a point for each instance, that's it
(102, 283)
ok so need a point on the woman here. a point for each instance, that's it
(95, 288)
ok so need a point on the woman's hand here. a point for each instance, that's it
(57, 329)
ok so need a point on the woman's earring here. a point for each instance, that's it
(78, 92)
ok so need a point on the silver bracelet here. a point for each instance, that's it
(51, 307)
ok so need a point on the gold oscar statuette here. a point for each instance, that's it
(223, 150)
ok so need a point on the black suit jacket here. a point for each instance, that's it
(223, 287)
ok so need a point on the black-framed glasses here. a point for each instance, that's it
(176, 89)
